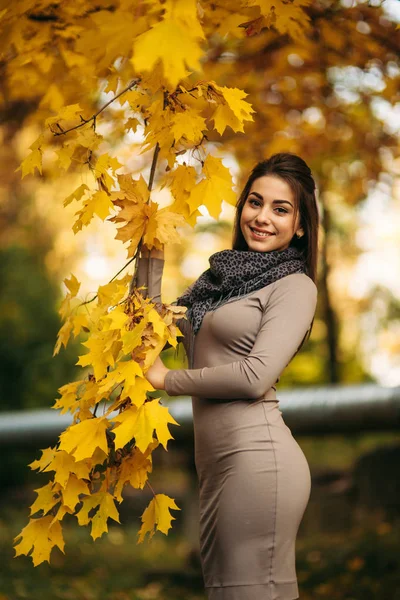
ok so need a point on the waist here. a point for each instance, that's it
(269, 395)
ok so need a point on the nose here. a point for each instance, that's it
(263, 217)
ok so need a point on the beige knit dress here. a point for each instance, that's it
(254, 480)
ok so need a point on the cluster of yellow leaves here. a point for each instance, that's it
(58, 46)
(178, 127)
(116, 424)
(162, 61)
(99, 454)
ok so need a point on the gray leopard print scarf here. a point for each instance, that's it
(235, 273)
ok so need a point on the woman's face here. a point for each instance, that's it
(267, 219)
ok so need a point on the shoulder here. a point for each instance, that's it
(296, 289)
(299, 282)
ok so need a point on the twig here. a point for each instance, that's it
(94, 117)
(148, 483)
(112, 279)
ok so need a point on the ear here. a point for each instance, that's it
(299, 232)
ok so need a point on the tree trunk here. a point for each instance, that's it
(329, 316)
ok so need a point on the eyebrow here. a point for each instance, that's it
(274, 201)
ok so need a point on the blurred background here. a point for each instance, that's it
(336, 103)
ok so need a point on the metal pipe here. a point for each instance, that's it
(306, 411)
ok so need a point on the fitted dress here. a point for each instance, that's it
(254, 480)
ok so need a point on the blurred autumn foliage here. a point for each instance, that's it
(168, 90)
(321, 77)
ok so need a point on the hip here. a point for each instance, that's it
(228, 431)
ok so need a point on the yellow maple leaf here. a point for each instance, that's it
(216, 186)
(286, 18)
(135, 386)
(47, 498)
(125, 371)
(161, 228)
(140, 423)
(132, 339)
(134, 190)
(46, 458)
(89, 139)
(154, 346)
(69, 393)
(60, 514)
(89, 399)
(172, 42)
(111, 293)
(136, 390)
(229, 20)
(104, 348)
(88, 504)
(39, 536)
(80, 322)
(67, 113)
(68, 402)
(63, 464)
(189, 125)
(150, 224)
(73, 488)
(158, 130)
(103, 164)
(160, 417)
(181, 181)
(134, 470)
(233, 110)
(83, 438)
(174, 332)
(65, 159)
(106, 510)
(135, 216)
(98, 204)
(115, 319)
(73, 285)
(31, 162)
(157, 516)
(65, 307)
(76, 195)
(34, 159)
(159, 327)
(63, 335)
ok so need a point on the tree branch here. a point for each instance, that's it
(94, 117)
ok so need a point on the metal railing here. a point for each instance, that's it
(306, 411)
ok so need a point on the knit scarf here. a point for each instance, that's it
(235, 273)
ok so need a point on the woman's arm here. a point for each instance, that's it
(286, 319)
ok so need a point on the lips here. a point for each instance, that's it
(260, 232)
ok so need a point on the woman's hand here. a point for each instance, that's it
(156, 374)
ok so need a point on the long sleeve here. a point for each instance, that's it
(150, 272)
(286, 319)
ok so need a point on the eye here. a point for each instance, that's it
(254, 202)
(282, 209)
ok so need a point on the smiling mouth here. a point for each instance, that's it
(261, 234)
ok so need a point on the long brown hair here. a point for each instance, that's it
(295, 171)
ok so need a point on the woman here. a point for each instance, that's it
(248, 315)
